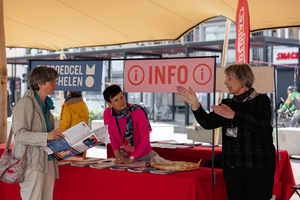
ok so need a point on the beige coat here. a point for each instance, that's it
(29, 128)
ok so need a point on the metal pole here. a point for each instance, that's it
(125, 93)
(213, 135)
(186, 110)
(276, 128)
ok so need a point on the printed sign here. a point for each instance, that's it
(75, 75)
(264, 79)
(285, 55)
(163, 75)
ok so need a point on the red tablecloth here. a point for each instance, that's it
(284, 177)
(88, 183)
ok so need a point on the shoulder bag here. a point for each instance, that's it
(12, 170)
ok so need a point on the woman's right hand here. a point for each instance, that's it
(56, 134)
(119, 160)
(189, 96)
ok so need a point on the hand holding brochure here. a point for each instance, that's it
(77, 139)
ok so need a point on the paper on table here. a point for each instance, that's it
(166, 146)
(140, 169)
(103, 165)
(161, 171)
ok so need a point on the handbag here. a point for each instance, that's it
(12, 170)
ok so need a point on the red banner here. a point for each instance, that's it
(242, 22)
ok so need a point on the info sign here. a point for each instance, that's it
(163, 75)
(75, 75)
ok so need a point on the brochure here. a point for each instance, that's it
(162, 171)
(166, 146)
(140, 169)
(184, 146)
(176, 143)
(193, 144)
(78, 139)
(68, 161)
(65, 162)
(189, 144)
(208, 145)
(103, 165)
(121, 168)
(85, 163)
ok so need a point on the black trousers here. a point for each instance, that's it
(248, 183)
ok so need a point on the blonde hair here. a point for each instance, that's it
(242, 72)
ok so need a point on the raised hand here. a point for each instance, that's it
(189, 96)
(223, 110)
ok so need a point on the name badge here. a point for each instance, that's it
(232, 132)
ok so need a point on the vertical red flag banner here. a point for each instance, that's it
(242, 22)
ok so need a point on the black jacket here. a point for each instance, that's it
(253, 147)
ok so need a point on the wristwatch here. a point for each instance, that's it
(131, 158)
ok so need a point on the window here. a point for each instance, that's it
(216, 31)
(189, 37)
(28, 51)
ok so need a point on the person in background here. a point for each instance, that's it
(248, 153)
(33, 127)
(293, 98)
(73, 111)
(128, 127)
(9, 102)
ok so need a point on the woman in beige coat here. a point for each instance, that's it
(33, 126)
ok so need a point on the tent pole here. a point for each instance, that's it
(61, 93)
(3, 80)
(215, 138)
(223, 64)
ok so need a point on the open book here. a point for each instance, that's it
(78, 139)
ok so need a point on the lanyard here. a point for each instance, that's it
(120, 130)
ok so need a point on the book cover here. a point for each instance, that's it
(103, 165)
(120, 168)
(84, 163)
(140, 169)
(162, 171)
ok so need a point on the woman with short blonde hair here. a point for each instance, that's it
(248, 153)
(242, 72)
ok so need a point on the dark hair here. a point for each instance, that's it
(242, 72)
(111, 91)
(76, 93)
(41, 75)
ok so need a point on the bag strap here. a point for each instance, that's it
(9, 141)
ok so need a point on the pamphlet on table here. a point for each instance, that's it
(78, 139)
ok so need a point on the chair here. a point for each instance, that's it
(296, 188)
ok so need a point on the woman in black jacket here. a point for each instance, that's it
(248, 153)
